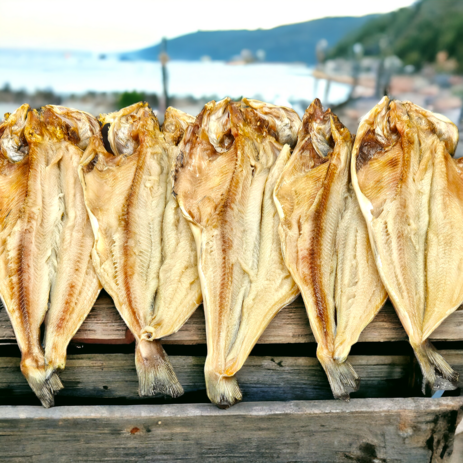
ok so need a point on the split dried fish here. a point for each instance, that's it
(231, 158)
(30, 237)
(75, 286)
(47, 238)
(325, 243)
(410, 191)
(179, 289)
(30, 209)
(125, 194)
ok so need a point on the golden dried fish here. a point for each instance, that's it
(411, 194)
(325, 243)
(224, 181)
(75, 285)
(179, 289)
(30, 236)
(125, 194)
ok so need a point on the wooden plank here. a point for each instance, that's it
(113, 376)
(104, 325)
(367, 430)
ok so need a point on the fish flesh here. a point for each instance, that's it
(410, 191)
(30, 234)
(125, 194)
(45, 151)
(326, 245)
(225, 176)
(75, 286)
(179, 290)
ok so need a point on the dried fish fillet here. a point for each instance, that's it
(75, 285)
(411, 194)
(325, 243)
(272, 286)
(125, 194)
(179, 289)
(224, 181)
(30, 236)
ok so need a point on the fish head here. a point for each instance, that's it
(437, 124)
(205, 163)
(215, 125)
(175, 125)
(267, 119)
(77, 126)
(322, 141)
(319, 134)
(122, 129)
(13, 143)
(386, 154)
(317, 124)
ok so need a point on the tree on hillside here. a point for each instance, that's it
(415, 34)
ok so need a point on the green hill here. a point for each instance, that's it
(415, 34)
(294, 42)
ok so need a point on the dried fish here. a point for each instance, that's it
(411, 194)
(32, 208)
(75, 285)
(125, 194)
(225, 176)
(179, 290)
(325, 243)
(47, 237)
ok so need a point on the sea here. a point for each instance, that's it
(67, 73)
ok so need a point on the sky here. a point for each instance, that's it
(101, 25)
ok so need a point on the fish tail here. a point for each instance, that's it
(342, 377)
(155, 373)
(52, 370)
(54, 381)
(437, 373)
(223, 391)
(43, 387)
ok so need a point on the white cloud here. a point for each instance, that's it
(102, 25)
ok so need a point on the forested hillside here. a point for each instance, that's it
(415, 34)
(294, 42)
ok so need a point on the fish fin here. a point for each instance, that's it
(223, 391)
(155, 373)
(54, 381)
(437, 373)
(43, 388)
(342, 377)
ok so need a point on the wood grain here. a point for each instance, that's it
(367, 430)
(105, 326)
(113, 376)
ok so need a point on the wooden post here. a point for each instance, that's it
(164, 58)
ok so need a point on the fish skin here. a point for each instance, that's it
(76, 286)
(411, 194)
(125, 195)
(179, 289)
(272, 287)
(220, 182)
(359, 291)
(30, 238)
(325, 243)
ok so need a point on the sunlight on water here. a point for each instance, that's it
(278, 83)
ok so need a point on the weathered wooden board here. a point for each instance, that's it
(113, 376)
(291, 325)
(103, 325)
(367, 430)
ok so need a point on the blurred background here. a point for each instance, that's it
(99, 56)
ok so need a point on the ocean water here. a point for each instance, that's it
(78, 73)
